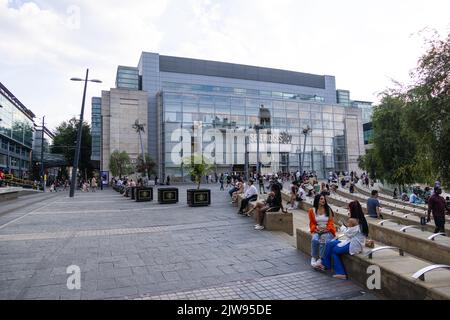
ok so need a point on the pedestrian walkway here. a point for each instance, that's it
(130, 250)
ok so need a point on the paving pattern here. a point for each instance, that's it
(130, 250)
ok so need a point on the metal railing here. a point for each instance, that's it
(421, 273)
(408, 227)
(436, 235)
(371, 252)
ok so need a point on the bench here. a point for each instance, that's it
(274, 221)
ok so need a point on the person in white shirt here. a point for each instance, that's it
(356, 230)
(251, 194)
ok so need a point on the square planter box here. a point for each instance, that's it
(167, 195)
(144, 194)
(199, 198)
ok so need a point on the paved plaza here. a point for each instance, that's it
(130, 250)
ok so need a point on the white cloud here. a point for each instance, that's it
(363, 44)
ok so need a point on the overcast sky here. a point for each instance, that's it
(364, 44)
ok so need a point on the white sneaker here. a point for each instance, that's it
(256, 225)
(313, 262)
(318, 262)
(259, 228)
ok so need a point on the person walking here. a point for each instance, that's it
(436, 205)
(221, 180)
(261, 184)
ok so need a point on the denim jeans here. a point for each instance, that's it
(232, 190)
(318, 246)
(333, 251)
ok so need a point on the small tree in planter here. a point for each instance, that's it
(198, 167)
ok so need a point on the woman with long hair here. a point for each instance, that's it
(272, 204)
(321, 225)
(355, 230)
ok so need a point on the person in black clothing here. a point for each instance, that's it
(168, 180)
(221, 180)
(261, 184)
(272, 204)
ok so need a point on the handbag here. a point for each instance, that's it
(369, 243)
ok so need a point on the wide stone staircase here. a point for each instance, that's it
(414, 263)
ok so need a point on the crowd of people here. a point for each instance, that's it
(326, 249)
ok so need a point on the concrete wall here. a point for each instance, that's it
(120, 109)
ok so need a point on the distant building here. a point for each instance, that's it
(96, 132)
(16, 134)
(172, 94)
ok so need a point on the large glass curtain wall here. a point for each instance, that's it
(324, 148)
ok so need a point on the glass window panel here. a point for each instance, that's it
(190, 107)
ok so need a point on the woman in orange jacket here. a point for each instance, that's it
(321, 225)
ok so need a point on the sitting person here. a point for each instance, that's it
(355, 230)
(233, 189)
(405, 197)
(352, 188)
(251, 194)
(239, 189)
(273, 203)
(293, 198)
(415, 199)
(324, 190)
(322, 228)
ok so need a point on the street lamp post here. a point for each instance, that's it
(80, 129)
(305, 131)
(42, 155)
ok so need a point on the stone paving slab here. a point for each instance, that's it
(127, 249)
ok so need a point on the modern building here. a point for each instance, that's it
(16, 134)
(188, 98)
(96, 132)
(120, 108)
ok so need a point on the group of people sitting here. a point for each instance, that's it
(273, 202)
(325, 247)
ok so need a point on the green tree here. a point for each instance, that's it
(428, 110)
(147, 166)
(65, 143)
(394, 151)
(198, 166)
(119, 164)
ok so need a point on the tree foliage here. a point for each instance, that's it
(412, 124)
(65, 143)
(147, 166)
(119, 164)
(198, 166)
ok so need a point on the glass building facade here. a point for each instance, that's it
(127, 78)
(16, 134)
(184, 106)
(186, 94)
(96, 129)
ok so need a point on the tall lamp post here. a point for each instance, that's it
(305, 132)
(42, 155)
(80, 129)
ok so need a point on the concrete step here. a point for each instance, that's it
(387, 205)
(396, 272)
(387, 197)
(413, 240)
